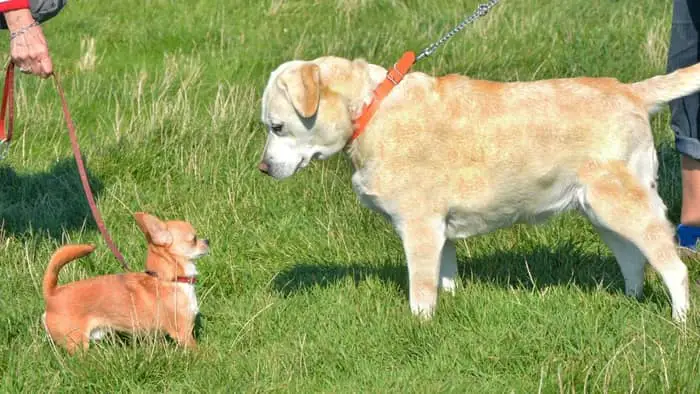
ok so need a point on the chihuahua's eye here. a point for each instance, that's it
(276, 128)
(194, 239)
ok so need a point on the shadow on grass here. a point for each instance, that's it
(541, 267)
(323, 274)
(45, 203)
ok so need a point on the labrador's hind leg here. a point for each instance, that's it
(617, 202)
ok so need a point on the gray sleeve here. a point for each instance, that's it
(42, 10)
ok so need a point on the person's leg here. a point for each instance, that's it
(690, 210)
(42, 10)
(689, 229)
(685, 114)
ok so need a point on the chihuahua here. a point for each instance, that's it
(160, 299)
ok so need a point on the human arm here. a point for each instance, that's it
(28, 48)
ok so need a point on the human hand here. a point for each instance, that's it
(28, 48)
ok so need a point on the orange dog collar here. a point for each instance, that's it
(393, 77)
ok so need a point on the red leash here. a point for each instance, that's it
(8, 105)
(8, 98)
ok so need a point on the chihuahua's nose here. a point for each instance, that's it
(264, 168)
(206, 242)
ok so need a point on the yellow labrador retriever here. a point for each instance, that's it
(451, 157)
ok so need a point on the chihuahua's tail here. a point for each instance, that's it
(661, 89)
(61, 257)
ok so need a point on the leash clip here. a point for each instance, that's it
(4, 149)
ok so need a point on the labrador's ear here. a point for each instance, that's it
(303, 88)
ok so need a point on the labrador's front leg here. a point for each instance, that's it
(423, 239)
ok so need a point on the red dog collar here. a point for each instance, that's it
(180, 279)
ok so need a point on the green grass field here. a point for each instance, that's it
(305, 290)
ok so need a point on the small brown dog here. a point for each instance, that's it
(161, 299)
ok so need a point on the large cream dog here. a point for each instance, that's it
(451, 157)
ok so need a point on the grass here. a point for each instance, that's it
(305, 291)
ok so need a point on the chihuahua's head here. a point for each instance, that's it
(177, 238)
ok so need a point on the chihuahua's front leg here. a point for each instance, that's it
(423, 240)
(183, 333)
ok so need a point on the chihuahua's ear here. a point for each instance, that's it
(154, 229)
(303, 88)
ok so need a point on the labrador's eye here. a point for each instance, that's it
(276, 128)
